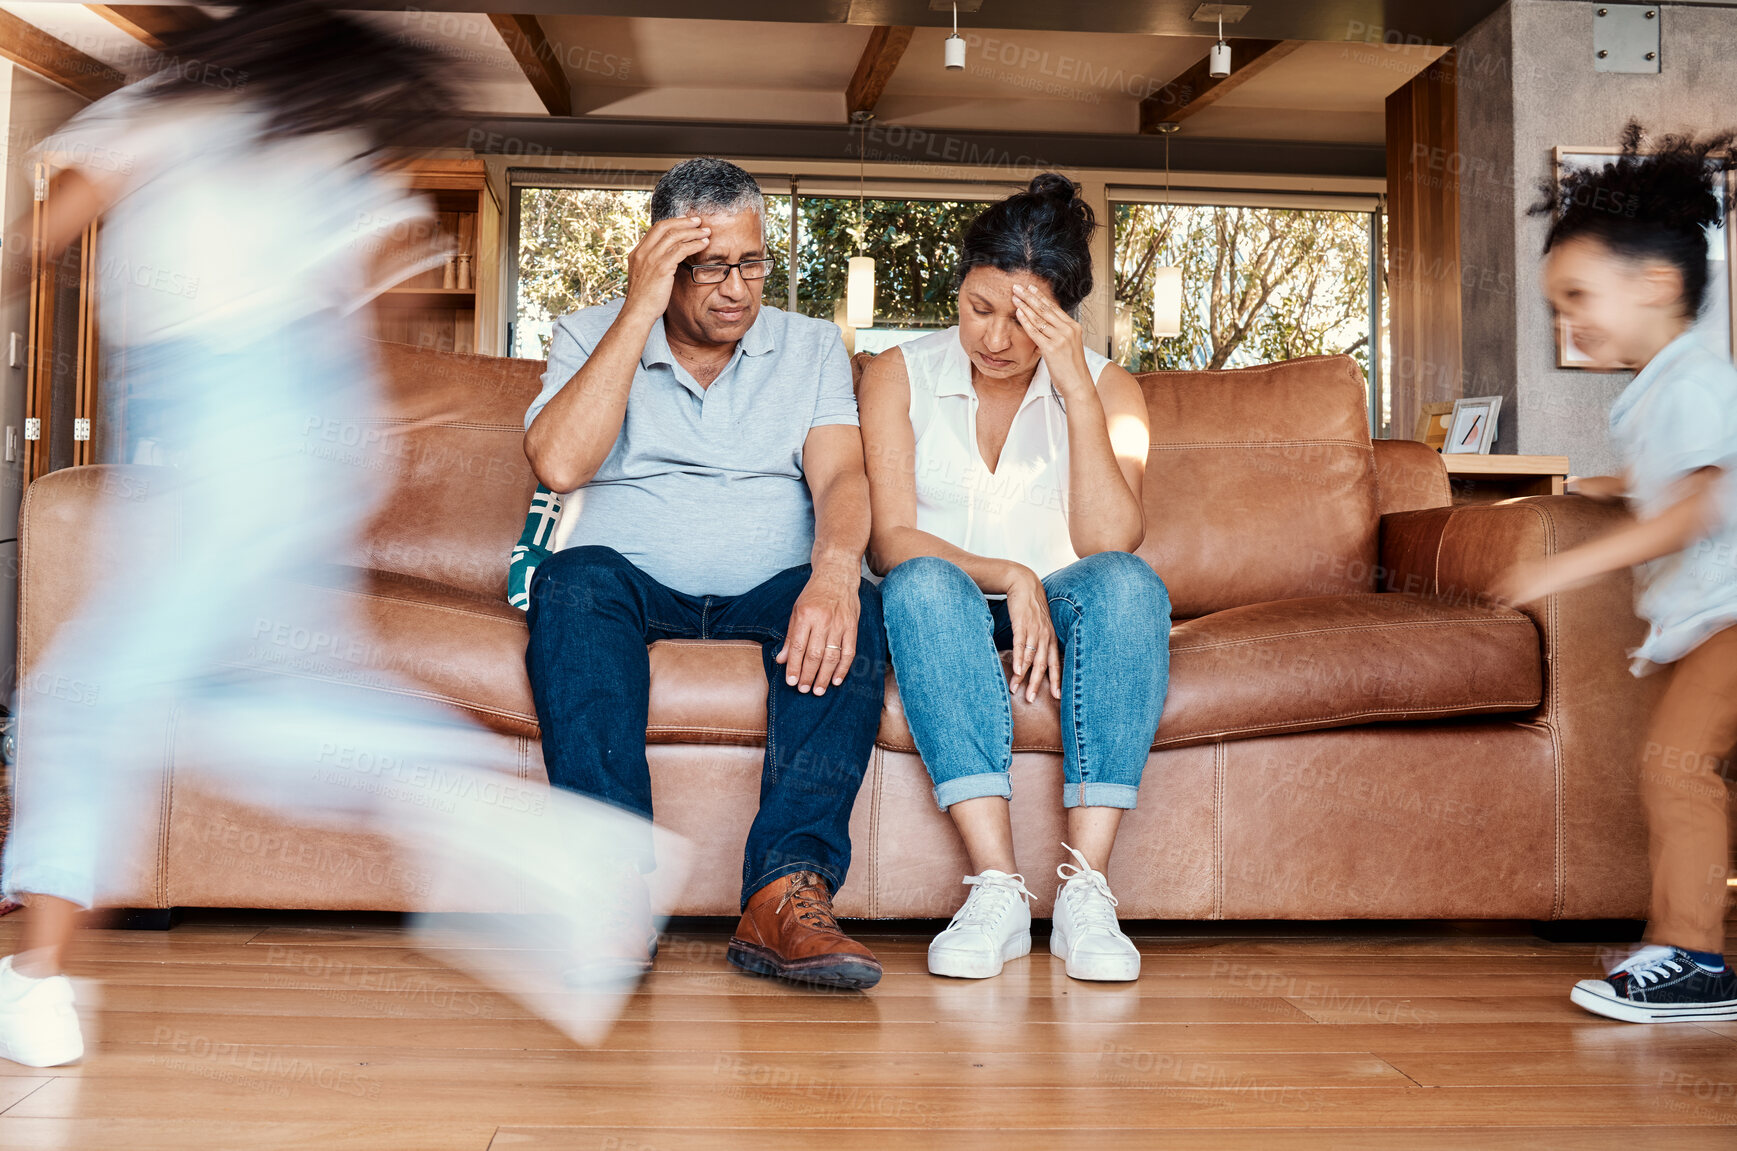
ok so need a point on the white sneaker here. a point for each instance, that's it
(993, 927)
(1085, 934)
(623, 943)
(38, 1026)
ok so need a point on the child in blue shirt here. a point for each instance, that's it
(1626, 269)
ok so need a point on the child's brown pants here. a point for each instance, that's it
(1682, 784)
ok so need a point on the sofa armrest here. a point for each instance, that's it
(64, 541)
(1462, 552)
(1409, 476)
(1594, 709)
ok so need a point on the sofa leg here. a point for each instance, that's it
(1589, 930)
(148, 918)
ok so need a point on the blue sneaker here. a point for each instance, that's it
(1659, 984)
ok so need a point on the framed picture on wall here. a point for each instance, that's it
(1472, 427)
(1718, 325)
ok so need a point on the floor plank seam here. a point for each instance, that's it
(45, 1082)
(1396, 1068)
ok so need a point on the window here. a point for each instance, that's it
(572, 254)
(1258, 285)
(915, 244)
(573, 245)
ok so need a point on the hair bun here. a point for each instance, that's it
(1045, 230)
(1053, 186)
(1061, 196)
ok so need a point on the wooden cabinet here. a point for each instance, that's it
(431, 309)
(59, 354)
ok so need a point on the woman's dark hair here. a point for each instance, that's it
(1655, 206)
(1045, 230)
(312, 69)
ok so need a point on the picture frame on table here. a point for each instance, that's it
(1472, 426)
(1718, 323)
(1432, 423)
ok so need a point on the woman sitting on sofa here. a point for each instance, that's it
(1005, 462)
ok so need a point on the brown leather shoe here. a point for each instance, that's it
(789, 932)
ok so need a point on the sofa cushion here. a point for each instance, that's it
(451, 461)
(1307, 664)
(455, 647)
(467, 651)
(1292, 665)
(1260, 484)
(1336, 661)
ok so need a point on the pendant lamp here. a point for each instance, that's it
(859, 293)
(859, 288)
(1166, 302)
(1167, 280)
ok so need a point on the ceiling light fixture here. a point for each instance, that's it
(859, 285)
(1167, 279)
(954, 53)
(1218, 66)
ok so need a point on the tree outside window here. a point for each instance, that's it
(915, 244)
(573, 246)
(1259, 284)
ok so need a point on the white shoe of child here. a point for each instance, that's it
(38, 1025)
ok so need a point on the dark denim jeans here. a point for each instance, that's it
(592, 614)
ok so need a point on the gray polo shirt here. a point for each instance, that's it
(703, 490)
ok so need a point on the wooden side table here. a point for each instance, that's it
(1485, 479)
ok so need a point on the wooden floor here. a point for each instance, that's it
(248, 1031)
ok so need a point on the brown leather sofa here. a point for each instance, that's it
(1351, 731)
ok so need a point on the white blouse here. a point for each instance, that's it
(1019, 511)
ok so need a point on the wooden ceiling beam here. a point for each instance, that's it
(530, 47)
(30, 47)
(880, 56)
(150, 23)
(1196, 88)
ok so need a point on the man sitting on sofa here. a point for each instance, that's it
(711, 450)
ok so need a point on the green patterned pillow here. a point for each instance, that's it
(533, 546)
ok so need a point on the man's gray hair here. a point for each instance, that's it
(706, 186)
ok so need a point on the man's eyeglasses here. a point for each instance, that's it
(757, 269)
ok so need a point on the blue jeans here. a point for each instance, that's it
(592, 613)
(1112, 617)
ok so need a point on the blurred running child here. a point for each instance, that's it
(1626, 269)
